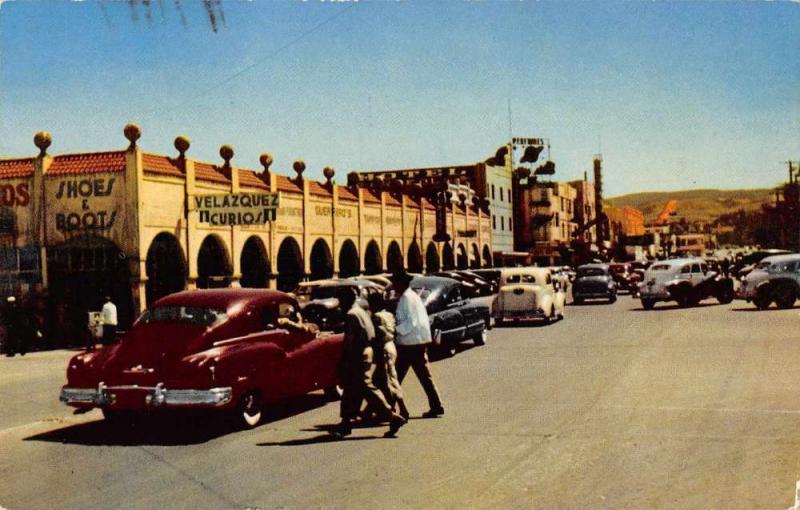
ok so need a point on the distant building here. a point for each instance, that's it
(547, 221)
(625, 221)
(691, 244)
(585, 209)
(489, 184)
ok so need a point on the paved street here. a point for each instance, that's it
(613, 407)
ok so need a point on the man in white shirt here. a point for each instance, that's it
(109, 313)
(413, 335)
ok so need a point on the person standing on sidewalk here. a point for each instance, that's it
(413, 336)
(109, 321)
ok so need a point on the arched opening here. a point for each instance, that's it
(321, 260)
(254, 263)
(432, 258)
(475, 261)
(213, 264)
(394, 257)
(290, 265)
(448, 257)
(487, 256)
(82, 271)
(349, 264)
(165, 266)
(373, 263)
(414, 256)
(462, 262)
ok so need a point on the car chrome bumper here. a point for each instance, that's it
(521, 314)
(157, 396)
(592, 295)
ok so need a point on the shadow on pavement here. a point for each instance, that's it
(667, 308)
(532, 323)
(320, 438)
(754, 308)
(594, 302)
(169, 429)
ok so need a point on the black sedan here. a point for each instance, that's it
(594, 281)
(454, 318)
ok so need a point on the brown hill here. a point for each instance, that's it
(694, 205)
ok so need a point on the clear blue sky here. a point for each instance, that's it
(676, 95)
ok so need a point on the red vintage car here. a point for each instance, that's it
(228, 349)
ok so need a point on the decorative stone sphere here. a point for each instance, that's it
(353, 178)
(132, 132)
(328, 172)
(299, 167)
(462, 197)
(42, 140)
(265, 160)
(396, 185)
(182, 144)
(226, 152)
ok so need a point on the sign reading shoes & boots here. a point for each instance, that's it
(236, 208)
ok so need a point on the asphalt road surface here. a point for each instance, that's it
(613, 407)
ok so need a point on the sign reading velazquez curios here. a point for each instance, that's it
(236, 208)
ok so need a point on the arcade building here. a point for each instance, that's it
(128, 224)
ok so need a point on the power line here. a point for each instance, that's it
(240, 72)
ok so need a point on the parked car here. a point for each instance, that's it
(561, 275)
(483, 287)
(382, 280)
(491, 275)
(775, 279)
(303, 291)
(529, 293)
(625, 276)
(468, 289)
(330, 302)
(687, 281)
(594, 281)
(454, 318)
(232, 350)
(747, 263)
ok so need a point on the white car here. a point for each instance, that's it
(529, 293)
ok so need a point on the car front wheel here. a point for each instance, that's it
(784, 297)
(480, 337)
(648, 304)
(762, 300)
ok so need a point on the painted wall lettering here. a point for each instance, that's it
(100, 220)
(18, 195)
(85, 188)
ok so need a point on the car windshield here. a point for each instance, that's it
(520, 278)
(660, 267)
(331, 292)
(591, 271)
(188, 314)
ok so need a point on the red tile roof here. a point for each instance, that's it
(428, 205)
(10, 168)
(162, 165)
(369, 196)
(391, 200)
(346, 194)
(209, 172)
(317, 188)
(88, 163)
(251, 179)
(288, 185)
